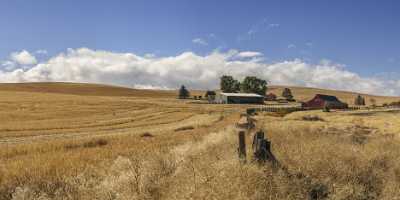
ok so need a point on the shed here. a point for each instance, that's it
(240, 98)
(270, 97)
(321, 100)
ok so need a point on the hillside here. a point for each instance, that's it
(85, 89)
(88, 141)
(305, 94)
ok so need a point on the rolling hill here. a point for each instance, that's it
(86, 89)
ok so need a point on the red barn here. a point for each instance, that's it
(321, 100)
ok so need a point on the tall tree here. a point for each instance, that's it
(359, 101)
(287, 93)
(229, 84)
(183, 92)
(252, 84)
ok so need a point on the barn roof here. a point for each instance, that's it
(241, 94)
(326, 97)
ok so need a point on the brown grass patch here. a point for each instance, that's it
(184, 128)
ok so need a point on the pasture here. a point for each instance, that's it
(82, 141)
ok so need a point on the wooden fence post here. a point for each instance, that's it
(242, 147)
(262, 149)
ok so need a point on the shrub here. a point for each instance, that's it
(146, 134)
(287, 93)
(95, 143)
(312, 118)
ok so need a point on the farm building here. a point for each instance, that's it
(321, 100)
(270, 97)
(240, 98)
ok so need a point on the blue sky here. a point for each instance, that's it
(362, 35)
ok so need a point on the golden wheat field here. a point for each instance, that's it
(86, 141)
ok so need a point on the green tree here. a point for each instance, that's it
(287, 93)
(183, 92)
(229, 84)
(359, 101)
(252, 84)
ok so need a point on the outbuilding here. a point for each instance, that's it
(240, 98)
(321, 100)
(270, 97)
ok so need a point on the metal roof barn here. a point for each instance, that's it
(321, 100)
(241, 98)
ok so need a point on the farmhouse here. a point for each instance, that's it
(240, 98)
(321, 100)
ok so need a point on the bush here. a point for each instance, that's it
(96, 143)
(312, 118)
(147, 134)
(287, 93)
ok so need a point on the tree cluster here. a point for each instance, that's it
(184, 93)
(250, 84)
(287, 93)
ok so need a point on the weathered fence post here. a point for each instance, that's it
(262, 149)
(242, 147)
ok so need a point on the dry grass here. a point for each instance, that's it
(305, 94)
(62, 146)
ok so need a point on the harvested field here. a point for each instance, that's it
(146, 145)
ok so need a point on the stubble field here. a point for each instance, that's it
(80, 141)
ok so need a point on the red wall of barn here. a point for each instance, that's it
(316, 102)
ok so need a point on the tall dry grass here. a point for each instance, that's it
(320, 159)
(62, 146)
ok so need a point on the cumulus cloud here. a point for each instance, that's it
(41, 51)
(200, 41)
(248, 54)
(23, 58)
(195, 71)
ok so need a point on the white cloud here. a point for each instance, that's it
(195, 71)
(8, 65)
(200, 41)
(291, 46)
(149, 55)
(248, 54)
(41, 51)
(23, 58)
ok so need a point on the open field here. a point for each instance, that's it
(82, 141)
